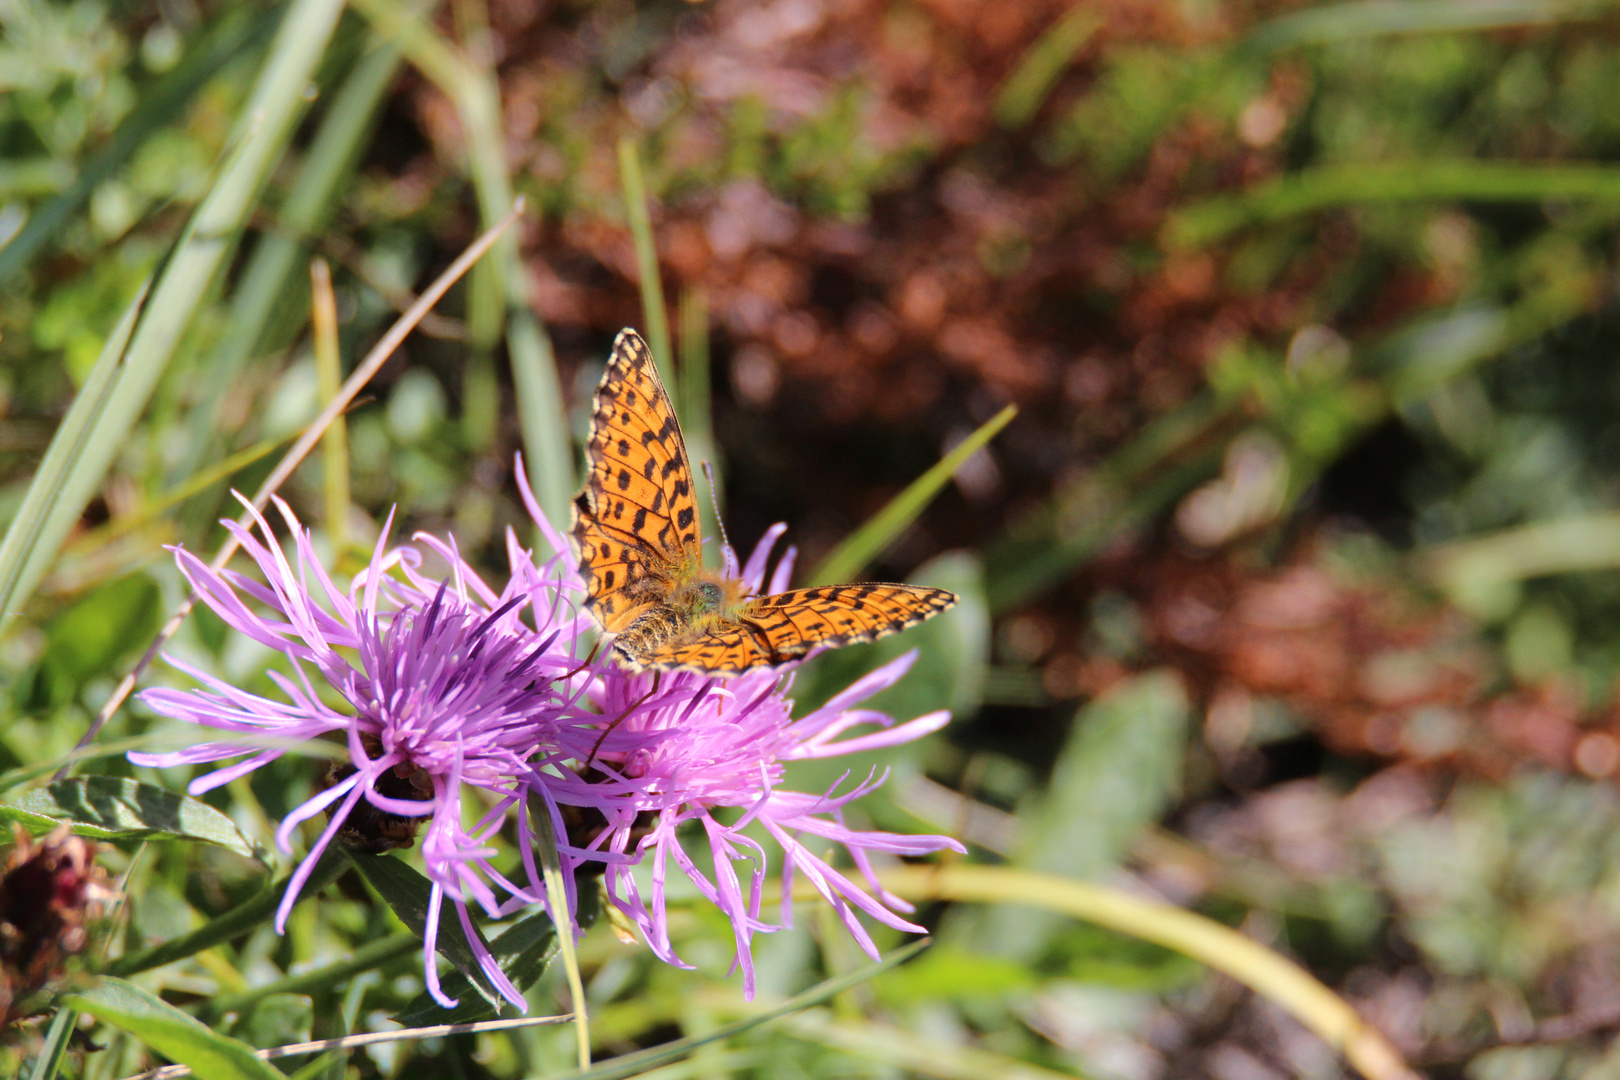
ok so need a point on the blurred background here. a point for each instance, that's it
(1289, 596)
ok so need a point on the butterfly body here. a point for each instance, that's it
(641, 554)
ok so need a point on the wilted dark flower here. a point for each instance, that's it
(50, 892)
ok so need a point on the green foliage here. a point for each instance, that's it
(110, 808)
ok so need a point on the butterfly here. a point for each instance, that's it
(641, 554)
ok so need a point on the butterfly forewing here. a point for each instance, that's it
(636, 522)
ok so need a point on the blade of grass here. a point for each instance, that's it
(329, 373)
(557, 899)
(159, 107)
(697, 422)
(866, 543)
(362, 375)
(269, 280)
(1217, 946)
(548, 456)
(1038, 70)
(1398, 181)
(277, 100)
(1381, 18)
(49, 1058)
(473, 90)
(191, 485)
(633, 184)
(61, 460)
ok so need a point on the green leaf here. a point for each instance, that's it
(407, 892)
(1328, 23)
(523, 951)
(172, 1033)
(57, 1037)
(869, 541)
(1118, 771)
(28, 532)
(113, 808)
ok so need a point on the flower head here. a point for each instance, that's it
(448, 689)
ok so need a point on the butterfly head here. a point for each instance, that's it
(707, 598)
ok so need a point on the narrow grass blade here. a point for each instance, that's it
(1032, 80)
(191, 485)
(245, 916)
(270, 280)
(172, 1033)
(1205, 940)
(1329, 23)
(159, 107)
(49, 1059)
(548, 455)
(277, 100)
(697, 419)
(1389, 181)
(866, 543)
(633, 184)
(329, 374)
(636, 1063)
(557, 898)
(29, 531)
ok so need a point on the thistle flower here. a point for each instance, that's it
(681, 747)
(451, 690)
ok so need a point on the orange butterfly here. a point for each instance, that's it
(636, 527)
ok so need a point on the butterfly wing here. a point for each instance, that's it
(775, 629)
(636, 521)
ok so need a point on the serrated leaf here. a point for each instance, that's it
(172, 1033)
(116, 808)
(523, 951)
(406, 891)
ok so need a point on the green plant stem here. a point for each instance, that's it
(1272, 976)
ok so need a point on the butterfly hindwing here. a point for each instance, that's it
(778, 628)
(636, 522)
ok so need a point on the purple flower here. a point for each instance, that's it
(680, 748)
(449, 689)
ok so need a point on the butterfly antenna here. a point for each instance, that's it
(728, 557)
